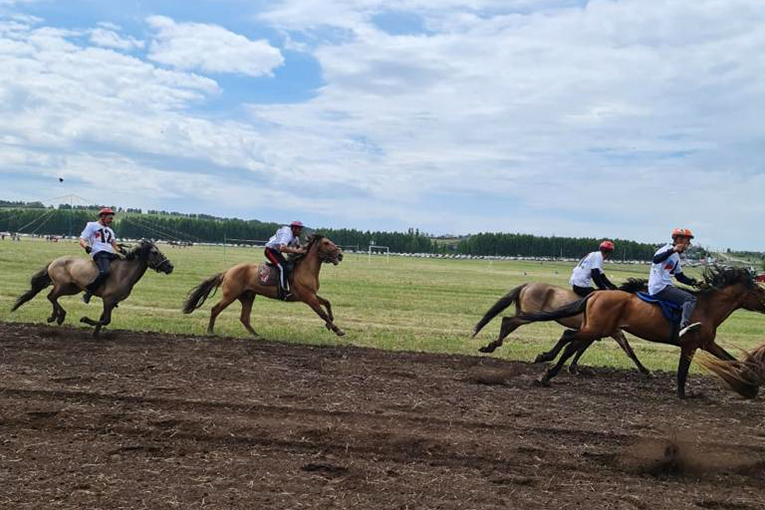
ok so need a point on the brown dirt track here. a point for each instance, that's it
(144, 420)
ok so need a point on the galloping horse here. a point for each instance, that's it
(70, 275)
(543, 297)
(242, 282)
(722, 292)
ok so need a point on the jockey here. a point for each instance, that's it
(98, 240)
(285, 240)
(591, 268)
(666, 264)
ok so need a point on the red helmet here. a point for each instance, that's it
(606, 246)
(682, 232)
(298, 224)
(105, 211)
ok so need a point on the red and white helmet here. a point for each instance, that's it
(298, 224)
(682, 232)
(105, 211)
(606, 246)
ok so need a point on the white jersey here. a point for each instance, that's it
(99, 237)
(283, 236)
(662, 273)
(581, 276)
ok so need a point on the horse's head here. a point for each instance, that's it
(754, 300)
(155, 259)
(326, 250)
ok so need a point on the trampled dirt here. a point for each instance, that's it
(145, 420)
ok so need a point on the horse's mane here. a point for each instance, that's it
(717, 278)
(140, 251)
(633, 285)
(312, 239)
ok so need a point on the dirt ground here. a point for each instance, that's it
(144, 420)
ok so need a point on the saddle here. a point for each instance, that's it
(671, 311)
(268, 274)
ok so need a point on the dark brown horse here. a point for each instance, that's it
(543, 297)
(723, 292)
(242, 282)
(70, 275)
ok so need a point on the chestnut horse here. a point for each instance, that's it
(70, 275)
(605, 312)
(242, 282)
(544, 297)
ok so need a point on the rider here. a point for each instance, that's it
(591, 268)
(666, 264)
(98, 240)
(285, 240)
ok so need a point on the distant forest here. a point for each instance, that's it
(35, 218)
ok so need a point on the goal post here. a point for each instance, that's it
(378, 250)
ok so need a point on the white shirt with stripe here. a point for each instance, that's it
(99, 237)
(283, 236)
(662, 273)
(581, 276)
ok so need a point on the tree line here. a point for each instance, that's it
(130, 223)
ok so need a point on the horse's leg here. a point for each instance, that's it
(217, 309)
(573, 346)
(247, 299)
(621, 339)
(328, 306)
(715, 350)
(573, 367)
(686, 356)
(552, 353)
(106, 316)
(53, 298)
(313, 302)
(509, 324)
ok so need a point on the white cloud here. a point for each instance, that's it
(210, 48)
(109, 38)
(615, 119)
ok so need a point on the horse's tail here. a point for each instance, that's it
(568, 310)
(503, 302)
(743, 376)
(201, 292)
(39, 281)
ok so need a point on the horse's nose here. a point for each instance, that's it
(339, 256)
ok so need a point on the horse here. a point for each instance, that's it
(744, 376)
(69, 275)
(723, 291)
(243, 282)
(538, 297)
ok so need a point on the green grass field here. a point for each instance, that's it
(397, 303)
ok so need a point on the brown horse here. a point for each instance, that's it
(70, 275)
(242, 282)
(744, 376)
(543, 297)
(722, 292)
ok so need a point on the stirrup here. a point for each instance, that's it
(687, 329)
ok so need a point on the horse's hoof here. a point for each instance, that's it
(84, 320)
(50, 319)
(573, 369)
(487, 348)
(647, 374)
(340, 332)
(543, 382)
(541, 358)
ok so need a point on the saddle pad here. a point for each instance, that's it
(671, 311)
(268, 275)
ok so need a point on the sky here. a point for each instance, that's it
(595, 118)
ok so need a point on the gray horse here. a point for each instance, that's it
(70, 275)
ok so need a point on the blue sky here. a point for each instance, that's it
(604, 118)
